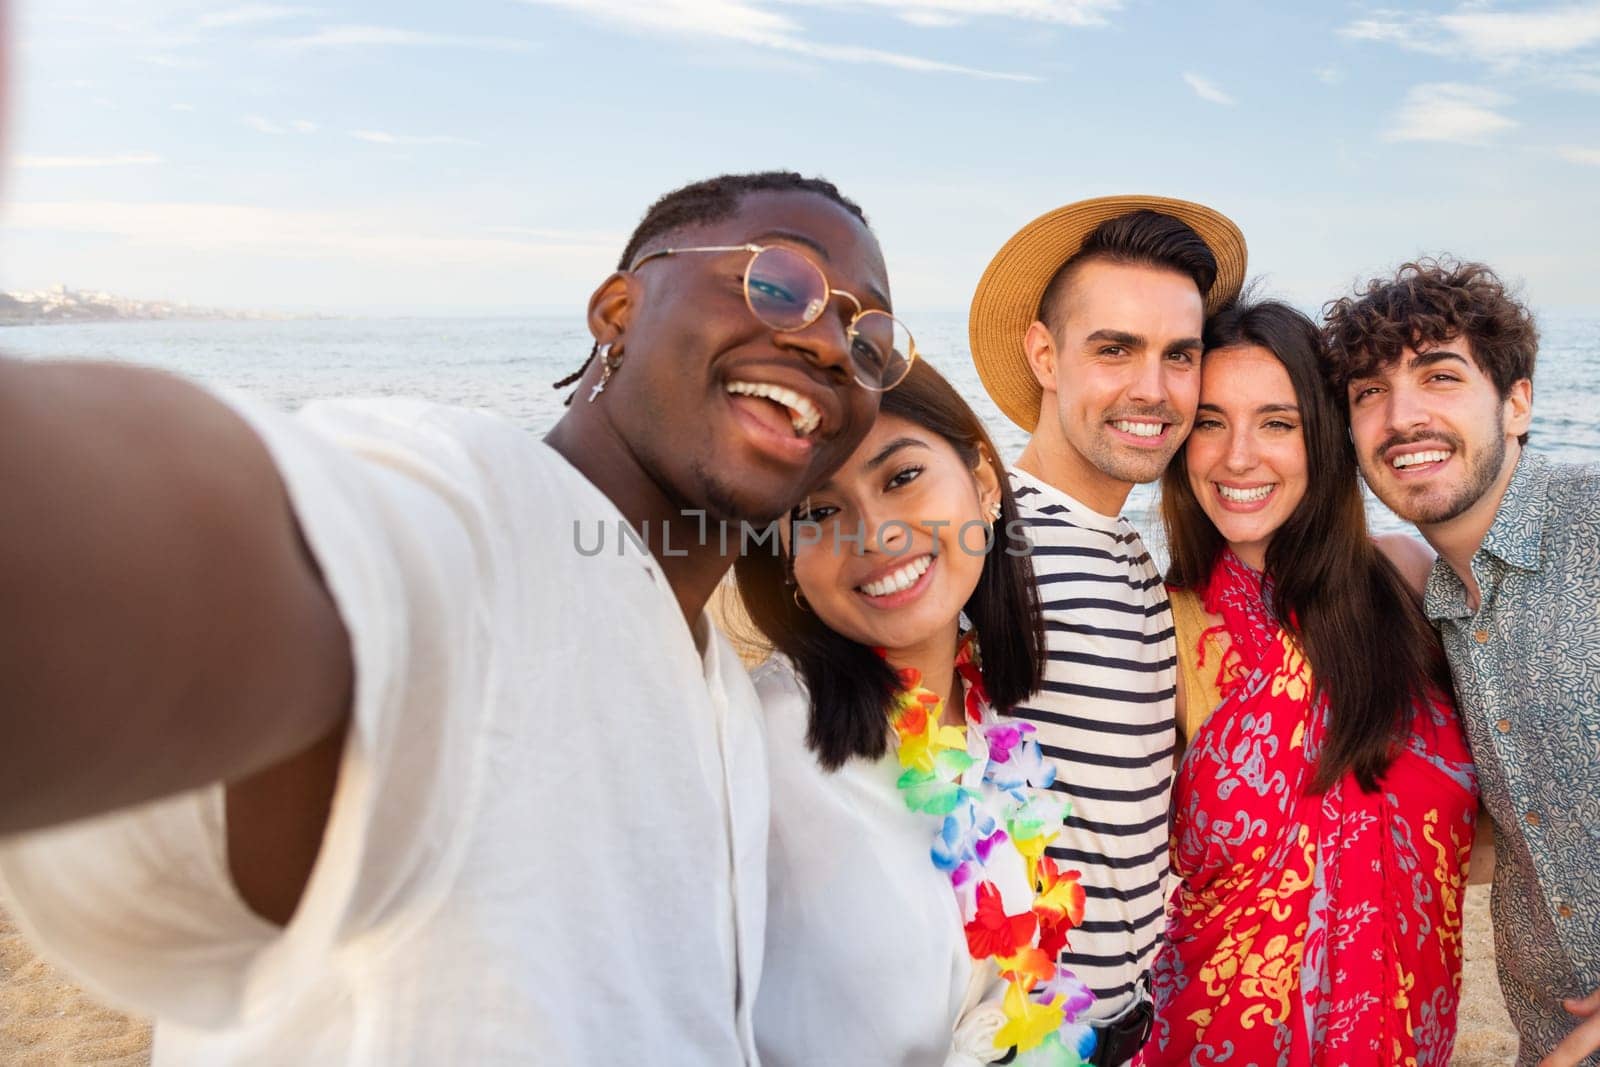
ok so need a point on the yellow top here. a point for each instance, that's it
(1200, 692)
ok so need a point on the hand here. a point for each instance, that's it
(1582, 1041)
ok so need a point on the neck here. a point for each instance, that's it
(934, 659)
(1457, 540)
(1052, 460)
(677, 541)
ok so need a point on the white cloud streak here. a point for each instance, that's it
(1207, 90)
(385, 138)
(240, 229)
(1587, 156)
(1448, 112)
(940, 13)
(125, 159)
(744, 22)
(274, 127)
(1502, 37)
(252, 15)
(393, 37)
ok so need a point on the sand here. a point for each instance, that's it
(45, 1021)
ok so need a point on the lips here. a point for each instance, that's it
(1410, 460)
(1140, 427)
(1243, 495)
(804, 417)
(898, 580)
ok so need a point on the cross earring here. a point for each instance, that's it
(607, 365)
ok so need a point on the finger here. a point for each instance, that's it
(1584, 1006)
(1578, 1044)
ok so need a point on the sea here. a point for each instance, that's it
(508, 365)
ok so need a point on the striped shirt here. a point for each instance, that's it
(1105, 716)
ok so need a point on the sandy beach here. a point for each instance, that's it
(46, 1021)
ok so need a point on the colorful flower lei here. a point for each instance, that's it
(944, 771)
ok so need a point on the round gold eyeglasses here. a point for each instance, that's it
(787, 291)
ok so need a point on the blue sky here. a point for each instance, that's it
(492, 155)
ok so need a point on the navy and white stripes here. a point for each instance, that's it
(1105, 716)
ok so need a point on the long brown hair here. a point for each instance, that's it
(1371, 649)
(851, 687)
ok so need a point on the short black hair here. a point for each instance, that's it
(1141, 238)
(712, 200)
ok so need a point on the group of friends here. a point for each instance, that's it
(327, 741)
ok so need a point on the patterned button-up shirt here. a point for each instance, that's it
(1527, 673)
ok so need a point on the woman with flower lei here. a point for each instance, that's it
(913, 917)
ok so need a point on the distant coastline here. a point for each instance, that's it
(59, 304)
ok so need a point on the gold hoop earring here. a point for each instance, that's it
(800, 601)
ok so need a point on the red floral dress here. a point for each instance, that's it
(1308, 929)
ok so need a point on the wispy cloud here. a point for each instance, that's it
(1329, 75)
(382, 137)
(273, 126)
(1206, 89)
(394, 37)
(940, 13)
(125, 159)
(241, 228)
(1574, 154)
(1445, 111)
(745, 22)
(1501, 37)
(252, 15)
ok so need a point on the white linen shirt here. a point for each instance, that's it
(548, 840)
(866, 963)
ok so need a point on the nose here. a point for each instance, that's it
(1405, 408)
(826, 341)
(884, 531)
(1149, 385)
(1242, 453)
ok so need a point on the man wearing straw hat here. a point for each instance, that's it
(1086, 330)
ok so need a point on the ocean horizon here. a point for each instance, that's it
(507, 364)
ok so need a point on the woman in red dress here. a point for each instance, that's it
(1323, 811)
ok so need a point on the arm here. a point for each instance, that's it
(1410, 556)
(163, 626)
(1480, 866)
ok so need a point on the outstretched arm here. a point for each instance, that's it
(162, 625)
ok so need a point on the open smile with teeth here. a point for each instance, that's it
(1417, 459)
(900, 579)
(1140, 428)
(1243, 496)
(803, 414)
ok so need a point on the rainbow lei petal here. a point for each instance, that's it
(1043, 1000)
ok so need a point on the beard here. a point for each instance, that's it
(1427, 507)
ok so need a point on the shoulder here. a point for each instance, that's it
(1411, 556)
(785, 706)
(1573, 487)
(419, 437)
(781, 689)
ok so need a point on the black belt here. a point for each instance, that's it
(1118, 1040)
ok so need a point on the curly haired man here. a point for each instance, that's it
(1436, 366)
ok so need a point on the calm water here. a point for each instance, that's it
(507, 364)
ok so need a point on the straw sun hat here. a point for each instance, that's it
(1007, 300)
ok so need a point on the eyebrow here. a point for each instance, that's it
(890, 449)
(1437, 355)
(1121, 337)
(877, 294)
(1264, 409)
